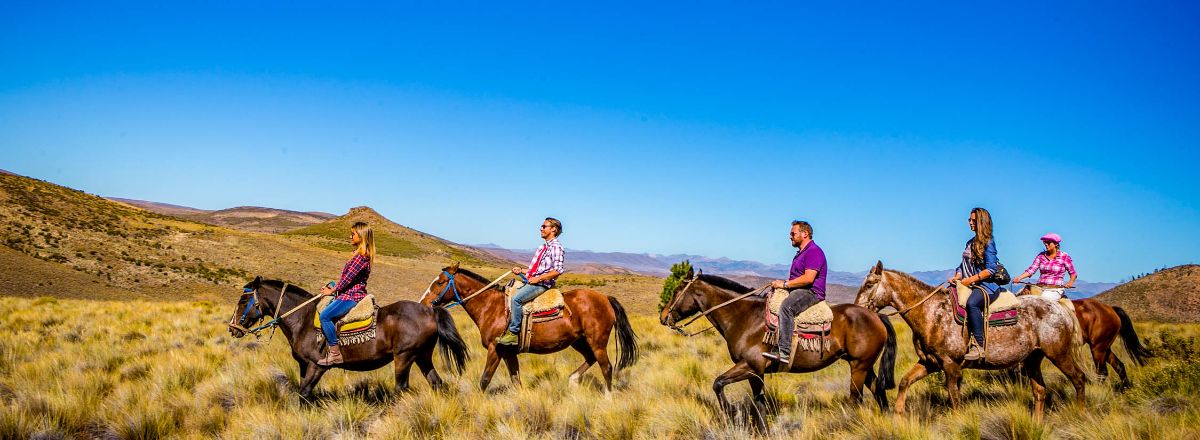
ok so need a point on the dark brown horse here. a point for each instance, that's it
(590, 318)
(406, 332)
(1043, 330)
(1100, 324)
(857, 336)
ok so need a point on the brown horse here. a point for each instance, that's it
(857, 336)
(1043, 330)
(1100, 324)
(590, 318)
(406, 332)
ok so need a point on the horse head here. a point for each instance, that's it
(683, 301)
(248, 311)
(444, 289)
(874, 293)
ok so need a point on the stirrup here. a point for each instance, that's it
(777, 357)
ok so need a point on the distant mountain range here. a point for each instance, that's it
(741, 270)
(246, 218)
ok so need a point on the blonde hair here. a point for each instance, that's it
(366, 247)
(983, 233)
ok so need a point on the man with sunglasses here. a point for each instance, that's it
(805, 284)
(546, 266)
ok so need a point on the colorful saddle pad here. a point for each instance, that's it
(360, 317)
(547, 306)
(1003, 311)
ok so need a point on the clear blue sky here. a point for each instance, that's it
(665, 128)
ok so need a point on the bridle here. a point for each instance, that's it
(680, 327)
(257, 304)
(452, 287)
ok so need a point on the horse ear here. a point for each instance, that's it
(691, 273)
(454, 267)
(699, 272)
(878, 269)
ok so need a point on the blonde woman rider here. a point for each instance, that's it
(349, 290)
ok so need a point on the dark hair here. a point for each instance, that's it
(556, 224)
(804, 226)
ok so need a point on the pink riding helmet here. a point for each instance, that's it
(1052, 237)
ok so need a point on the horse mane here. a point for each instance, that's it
(473, 275)
(909, 278)
(278, 284)
(724, 283)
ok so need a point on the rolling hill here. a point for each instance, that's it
(1169, 295)
(246, 218)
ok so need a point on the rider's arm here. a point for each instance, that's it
(804, 280)
(1070, 269)
(355, 265)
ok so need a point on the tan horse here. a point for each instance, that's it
(586, 327)
(857, 336)
(1043, 330)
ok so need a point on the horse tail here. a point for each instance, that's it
(454, 350)
(1129, 336)
(626, 339)
(886, 379)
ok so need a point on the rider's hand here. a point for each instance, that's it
(326, 291)
(517, 271)
(1070, 284)
(777, 284)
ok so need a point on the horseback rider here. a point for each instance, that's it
(1053, 264)
(544, 269)
(805, 285)
(979, 263)
(349, 290)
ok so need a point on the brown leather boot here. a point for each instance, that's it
(332, 357)
(974, 351)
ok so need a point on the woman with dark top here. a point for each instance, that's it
(349, 290)
(979, 263)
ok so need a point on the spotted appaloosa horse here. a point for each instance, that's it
(857, 336)
(591, 318)
(406, 332)
(1043, 330)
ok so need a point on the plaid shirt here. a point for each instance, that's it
(552, 258)
(353, 285)
(1053, 271)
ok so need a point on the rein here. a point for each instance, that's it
(679, 327)
(936, 289)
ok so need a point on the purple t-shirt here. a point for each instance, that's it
(811, 257)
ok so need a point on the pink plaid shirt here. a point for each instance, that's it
(1053, 271)
(552, 258)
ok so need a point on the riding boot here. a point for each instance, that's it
(332, 357)
(974, 351)
(508, 338)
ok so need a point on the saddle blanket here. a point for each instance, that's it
(546, 307)
(1003, 311)
(357, 326)
(813, 317)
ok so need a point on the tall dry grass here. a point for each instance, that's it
(86, 369)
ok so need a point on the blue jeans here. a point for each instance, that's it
(796, 303)
(334, 311)
(975, 318)
(524, 295)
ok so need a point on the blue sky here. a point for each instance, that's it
(667, 128)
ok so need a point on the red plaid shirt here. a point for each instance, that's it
(1053, 271)
(353, 285)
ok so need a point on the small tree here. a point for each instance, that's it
(679, 271)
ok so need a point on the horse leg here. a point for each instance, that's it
(741, 371)
(605, 366)
(403, 363)
(1033, 371)
(953, 382)
(916, 373)
(489, 368)
(760, 402)
(425, 363)
(859, 370)
(1120, 369)
(1066, 364)
(514, 369)
(309, 381)
(1100, 356)
(589, 358)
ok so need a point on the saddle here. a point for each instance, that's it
(1003, 311)
(357, 326)
(811, 325)
(548, 306)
